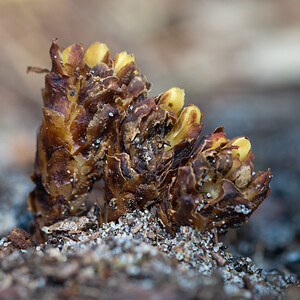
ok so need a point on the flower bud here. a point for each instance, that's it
(172, 100)
(73, 58)
(241, 160)
(217, 140)
(122, 60)
(65, 55)
(244, 147)
(96, 53)
(189, 117)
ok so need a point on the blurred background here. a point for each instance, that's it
(238, 60)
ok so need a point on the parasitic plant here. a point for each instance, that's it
(99, 122)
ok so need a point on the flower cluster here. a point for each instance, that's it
(99, 122)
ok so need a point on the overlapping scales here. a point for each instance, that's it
(99, 122)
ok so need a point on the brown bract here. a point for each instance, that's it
(100, 123)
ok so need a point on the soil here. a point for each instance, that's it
(133, 258)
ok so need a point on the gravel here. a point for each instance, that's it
(133, 258)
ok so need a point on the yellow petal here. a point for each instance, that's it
(172, 100)
(191, 115)
(218, 139)
(244, 148)
(122, 59)
(65, 54)
(96, 53)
